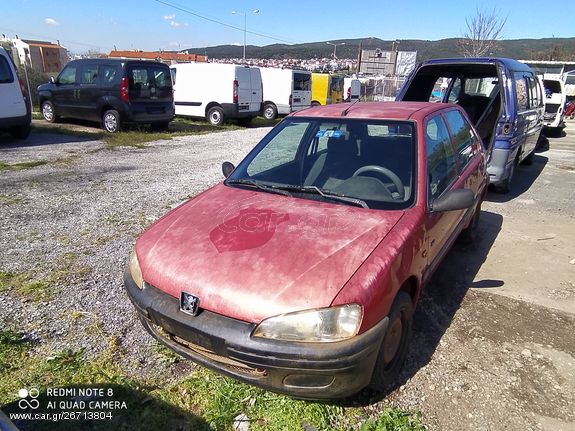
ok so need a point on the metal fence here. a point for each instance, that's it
(383, 88)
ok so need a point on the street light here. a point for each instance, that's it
(335, 45)
(255, 11)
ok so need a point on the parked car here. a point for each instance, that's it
(112, 91)
(15, 108)
(502, 98)
(555, 98)
(217, 92)
(285, 91)
(300, 272)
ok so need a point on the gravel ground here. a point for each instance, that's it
(494, 339)
(76, 219)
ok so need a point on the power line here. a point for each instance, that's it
(182, 9)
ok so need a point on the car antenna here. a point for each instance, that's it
(346, 110)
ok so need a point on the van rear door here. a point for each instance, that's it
(13, 104)
(257, 93)
(301, 90)
(244, 89)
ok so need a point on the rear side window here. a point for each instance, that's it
(108, 74)
(6, 75)
(89, 74)
(441, 168)
(535, 97)
(463, 137)
(521, 92)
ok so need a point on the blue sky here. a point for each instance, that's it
(165, 24)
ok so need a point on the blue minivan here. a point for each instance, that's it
(502, 97)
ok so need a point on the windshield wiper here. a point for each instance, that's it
(327, 195)
(260, 186)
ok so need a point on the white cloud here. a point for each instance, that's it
(169, 17)
(51, 21)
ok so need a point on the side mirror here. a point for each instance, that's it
(52, 80)
(227, 168)
(458, 199)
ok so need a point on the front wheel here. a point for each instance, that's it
(393, 348)
(111, 121)
(270, 111)
(20, 132)
(49, 112)
(216, 116)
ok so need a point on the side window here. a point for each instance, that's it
(463, 137)
(455, 92)
(6, 75)
(280, 150)
(89, 74)
(534, 93)
(441, 168)
(68, 75)
(108, 74)
(521, 92)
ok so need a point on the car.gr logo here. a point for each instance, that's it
(32, 403)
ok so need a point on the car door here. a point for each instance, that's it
(88, 92)
(442, 174)
(65, 91)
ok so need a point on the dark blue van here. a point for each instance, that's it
(502, 97)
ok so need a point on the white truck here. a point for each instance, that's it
(555, 97)
(217, 92)
(285, 91)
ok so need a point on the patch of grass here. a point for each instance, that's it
(394, 420)
(10, 200)
(21, 165)
(24, 285)
(13, 347)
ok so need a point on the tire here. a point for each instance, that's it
(215, 116)
(529, 159)
(49, 112)
(314, 103)
(469, 234)
(394, 346)
(270, 111)
(111, 121)
(162, 126)
(20, 132)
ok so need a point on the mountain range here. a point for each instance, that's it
(562, 49)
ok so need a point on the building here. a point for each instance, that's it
(42, 56)
(166, 57)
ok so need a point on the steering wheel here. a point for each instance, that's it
(386, 172)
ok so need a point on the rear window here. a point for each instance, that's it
(302, 81)
(149, 82)
(6, 75)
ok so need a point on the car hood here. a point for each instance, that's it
(250, 255)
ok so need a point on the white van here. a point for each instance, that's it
(217, 91)
(555, 97)
(15, 109)
(285, 91)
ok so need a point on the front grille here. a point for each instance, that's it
(228, 363)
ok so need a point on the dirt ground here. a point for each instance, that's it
(494, 339)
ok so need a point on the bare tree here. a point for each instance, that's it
(482, 35)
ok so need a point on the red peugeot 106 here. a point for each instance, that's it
(300, 272)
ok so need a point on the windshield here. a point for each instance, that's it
(371, 161)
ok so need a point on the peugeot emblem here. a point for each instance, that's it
(189, 303)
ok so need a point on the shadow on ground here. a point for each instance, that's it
(523, 179)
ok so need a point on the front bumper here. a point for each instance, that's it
(302, 370)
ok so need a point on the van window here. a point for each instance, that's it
(89, 74)
(5, 71)
(441, 168)
(302, 81)
(149, 82)
(108, 74)
(173, 73)
(440, 87)
(480, 86)
(535, 99)
(521, 92)
(462, 136)
(68, 75)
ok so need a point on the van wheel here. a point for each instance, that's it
(505, 186)
(529, 159)
(111, 121)
(393, 348)
(20, 132)
(216, 116)
(270, 111)
(314, 103)
(48, 112)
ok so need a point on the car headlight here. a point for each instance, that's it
(135, 271)
(320, 325)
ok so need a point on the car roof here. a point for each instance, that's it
(508, 62)
(376, 110)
